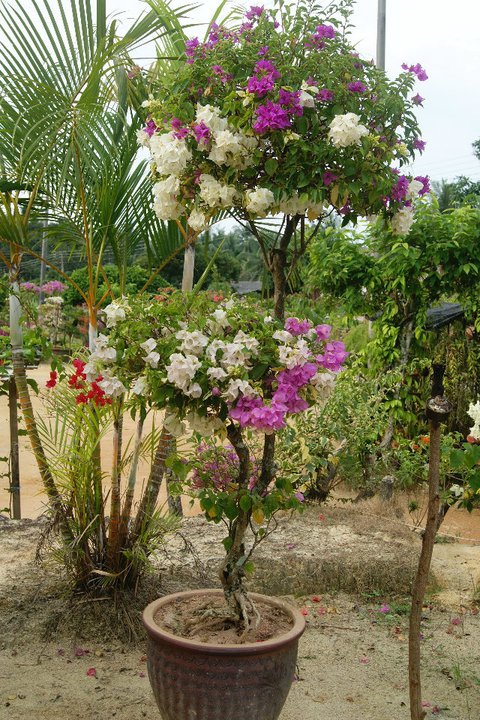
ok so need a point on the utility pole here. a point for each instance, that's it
(381, 25)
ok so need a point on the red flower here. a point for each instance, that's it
(92, 672)
(53, 379)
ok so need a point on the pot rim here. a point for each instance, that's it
(157, 632)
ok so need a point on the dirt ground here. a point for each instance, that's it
(353, 656)
(348, 567)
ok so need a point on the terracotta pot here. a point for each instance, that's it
(192, 680)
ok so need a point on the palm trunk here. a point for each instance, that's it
(113, 545)
(150, 496)
(14, 456)
(132, 479)
(18, 362)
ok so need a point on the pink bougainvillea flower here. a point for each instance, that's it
(384, 608)
(80, 652)
(364, 660)
(304, 611)
(316, 598)
(92, 672)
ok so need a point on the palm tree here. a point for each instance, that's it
(68, 150)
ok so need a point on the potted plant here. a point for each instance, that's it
(231, 373)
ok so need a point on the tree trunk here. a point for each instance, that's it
(14, 455)
(278, 261)
(232, 570)
(438, 410)
(188, 268)
(18, 362)
(113, 545)
(132, 479)
(150, 496)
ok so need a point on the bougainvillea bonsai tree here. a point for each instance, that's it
(280, 116)
(228, 372)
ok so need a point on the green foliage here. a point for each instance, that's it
(465, 461)
(71, 435)
(338, 440)
(373, 274)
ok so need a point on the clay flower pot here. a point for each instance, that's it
(193, 680)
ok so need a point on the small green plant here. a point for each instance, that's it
(103, 544)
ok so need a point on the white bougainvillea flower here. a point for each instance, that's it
(402, 221)
(152, 359)
(194, 391)
(173, 424)
(149, 345)
(237, 387)
(474, 412)
(197, 220)
(213, 348)
(193, 343)
(216, 373)
(182, 369)
(210, 115)
(140, 385)
(170, 154)
(112, 386)
(116, 312)
(165, 193)
(346, 130)
(259, 201)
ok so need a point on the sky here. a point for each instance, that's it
(444, 37)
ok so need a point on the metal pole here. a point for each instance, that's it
(381, 26)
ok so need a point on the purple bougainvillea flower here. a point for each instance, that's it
(425, 180)
(329, 177)
(255, 11)
(271, 116)
(400, 189)
(357, 87)
(202, 133)
(417, 70)
(419, 144)
(325, 95)
(418, 99)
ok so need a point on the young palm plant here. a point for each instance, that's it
(69, 152)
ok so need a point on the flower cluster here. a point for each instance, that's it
(474, 412)
(216, 466)
(219, 362)
(269, 118)
(88, 391)
(49, 288)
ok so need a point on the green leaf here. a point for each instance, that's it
(271, 166)
(245, 503)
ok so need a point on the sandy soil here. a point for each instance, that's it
(352, 660)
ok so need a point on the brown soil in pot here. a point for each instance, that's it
(194, 617)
